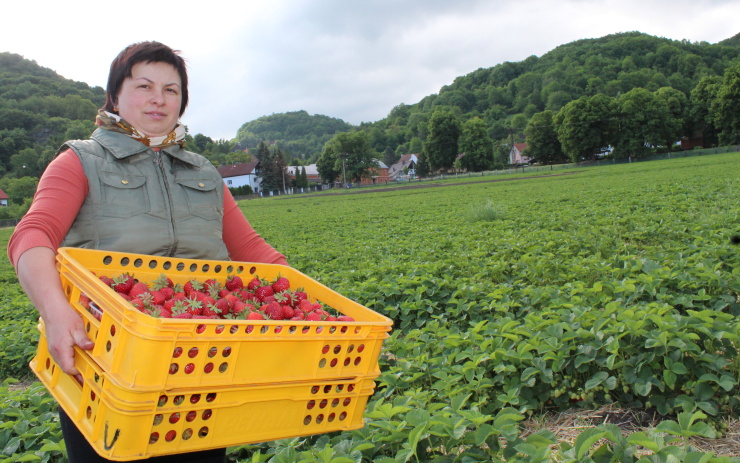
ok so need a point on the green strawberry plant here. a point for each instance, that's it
(610, 285)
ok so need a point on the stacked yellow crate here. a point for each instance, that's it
(154, 386)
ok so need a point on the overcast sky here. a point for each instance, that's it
(350, 59)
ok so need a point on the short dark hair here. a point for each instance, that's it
(143, 52)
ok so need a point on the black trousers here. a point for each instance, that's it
(79, 449)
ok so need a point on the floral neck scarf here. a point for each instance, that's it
(115, 123)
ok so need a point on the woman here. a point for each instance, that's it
(132, 188)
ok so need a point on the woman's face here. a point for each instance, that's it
(150, 99)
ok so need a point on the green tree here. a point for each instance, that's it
(673, 122)
(201, 143)
(422, 166)
(441, 144)
(26, 163)
(19, 189)
(700, 118)
(389, 157)
(237, 157)
(79, 130)
(476, 145)
(347, 153)
(271, 167)
(726, 107)
(644, 121)
(542, 139)
(586, 126)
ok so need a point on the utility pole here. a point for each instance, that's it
(344, 170)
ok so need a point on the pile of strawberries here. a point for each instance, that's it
(257, 300)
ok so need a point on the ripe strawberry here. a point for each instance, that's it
(263, 292)
(138, 303)
(194, 306)
(345, 318)
(299, 296)
(255, 316)
(192, 286)
(224, 305)
(167, 292)
(281, 284)
(239, 307)
(298, 315)
(223, 292)
(138, 289)
(288, 312)
(175, 306)
(305, 305)
(84, 301)
(205, 299)
(123, 283)
(273, 310)
(107, 280)
(314, 316)
(254, 283)
(163, 281)
(211, 310)
(234, 282)
(284, 298)
(211, 284)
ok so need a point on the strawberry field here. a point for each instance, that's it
(510, 299)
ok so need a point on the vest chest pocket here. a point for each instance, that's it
(122, 195)
(203, 198)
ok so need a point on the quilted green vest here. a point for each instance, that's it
(166, 203)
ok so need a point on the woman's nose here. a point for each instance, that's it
(158, 97)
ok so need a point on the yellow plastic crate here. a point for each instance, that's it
(141, 351)
(123, 424)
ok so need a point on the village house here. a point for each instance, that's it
(376, 175)
(405, 166)
(515, 155)
(312, 174)
(236, 175)
(3, 199)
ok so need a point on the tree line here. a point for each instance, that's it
(631, 92)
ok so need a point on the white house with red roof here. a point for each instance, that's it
(515, 155)
(4, 199)
(236, 175)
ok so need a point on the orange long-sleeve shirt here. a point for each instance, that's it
(62, 190)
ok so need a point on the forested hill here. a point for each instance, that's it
(506, 95)
(297, 133)
(731, 41)
(39, 110)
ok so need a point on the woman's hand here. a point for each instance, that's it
(63, 325)
(64, 330)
